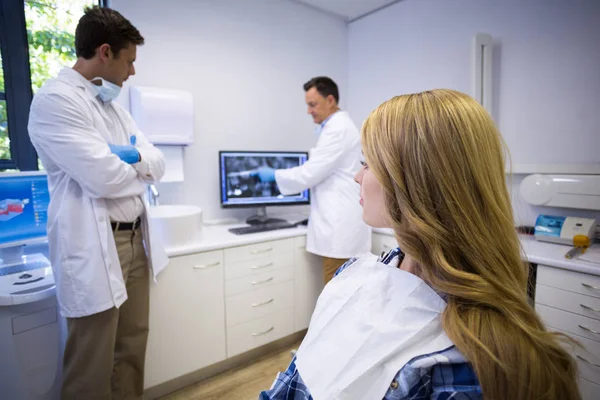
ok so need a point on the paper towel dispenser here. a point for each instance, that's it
(166, 116)
(571, 191)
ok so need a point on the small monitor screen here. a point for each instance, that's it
(241, 187)
(24, 200)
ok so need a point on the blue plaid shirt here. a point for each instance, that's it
(436, 376)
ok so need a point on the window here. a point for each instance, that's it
(37, 38)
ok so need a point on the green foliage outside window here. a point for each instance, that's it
(51, 36)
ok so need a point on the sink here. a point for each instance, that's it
(177, 225)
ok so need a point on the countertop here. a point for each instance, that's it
(549, 254)
(214, 237)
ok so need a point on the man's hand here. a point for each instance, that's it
(265, 174)
(128, 154)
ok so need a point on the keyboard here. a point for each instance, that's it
(261, 228)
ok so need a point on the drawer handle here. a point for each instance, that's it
(263, 281)
(264, 303)
(587, 361)
(204, 266)
(264, 332)
(589, 308)
(262, 266)
(588, 329)
(585, 285)
(261, 251)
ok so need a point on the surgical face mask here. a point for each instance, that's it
(108, 91)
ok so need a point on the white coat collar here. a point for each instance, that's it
(68, 74)
(338, 112)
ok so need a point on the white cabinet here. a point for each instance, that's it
(259, 294)
(210, 306)
(187, 317)
(382, 243)
(308, 283)
(270, 251)
(588, 390)
(259, 331)
(263, 278)
(569, 302)
(259, 302)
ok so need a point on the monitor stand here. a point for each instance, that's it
(261, 218)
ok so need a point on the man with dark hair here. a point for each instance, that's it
(325, 87)
(336, 230)
(99, 165)
(104, 25)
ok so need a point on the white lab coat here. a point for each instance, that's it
(68, 130)
(335, 227)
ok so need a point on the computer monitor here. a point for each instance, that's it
(24, 199)
(241, 188)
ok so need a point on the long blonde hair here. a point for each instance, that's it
(440, 161)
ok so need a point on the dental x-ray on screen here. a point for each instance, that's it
(241, 186)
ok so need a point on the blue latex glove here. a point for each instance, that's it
(265, 174)
(128, 154)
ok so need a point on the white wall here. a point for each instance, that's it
(547, 59)
(547, 70)
(245, 63)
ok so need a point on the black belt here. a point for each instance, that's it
(126, 226)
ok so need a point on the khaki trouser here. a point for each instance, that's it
(105, 352)
(330, 265)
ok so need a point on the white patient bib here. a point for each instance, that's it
(368, 323)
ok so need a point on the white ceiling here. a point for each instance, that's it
(348, 9)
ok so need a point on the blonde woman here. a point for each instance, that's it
(452, 319)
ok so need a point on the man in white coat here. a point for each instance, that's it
(336, 230)
(99, 165)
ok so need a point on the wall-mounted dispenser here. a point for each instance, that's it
(571, 191)
(166, 116)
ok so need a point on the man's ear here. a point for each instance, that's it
(331, 100)
(103, 51)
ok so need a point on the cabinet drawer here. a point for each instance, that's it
(569, 322)
(588, 359)
(568, 301)
(258, 303)
(569, 280)
(259, 331)
(588, 390)
(258, 250)
(257, 266)
(258, 280)
(200, 261)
